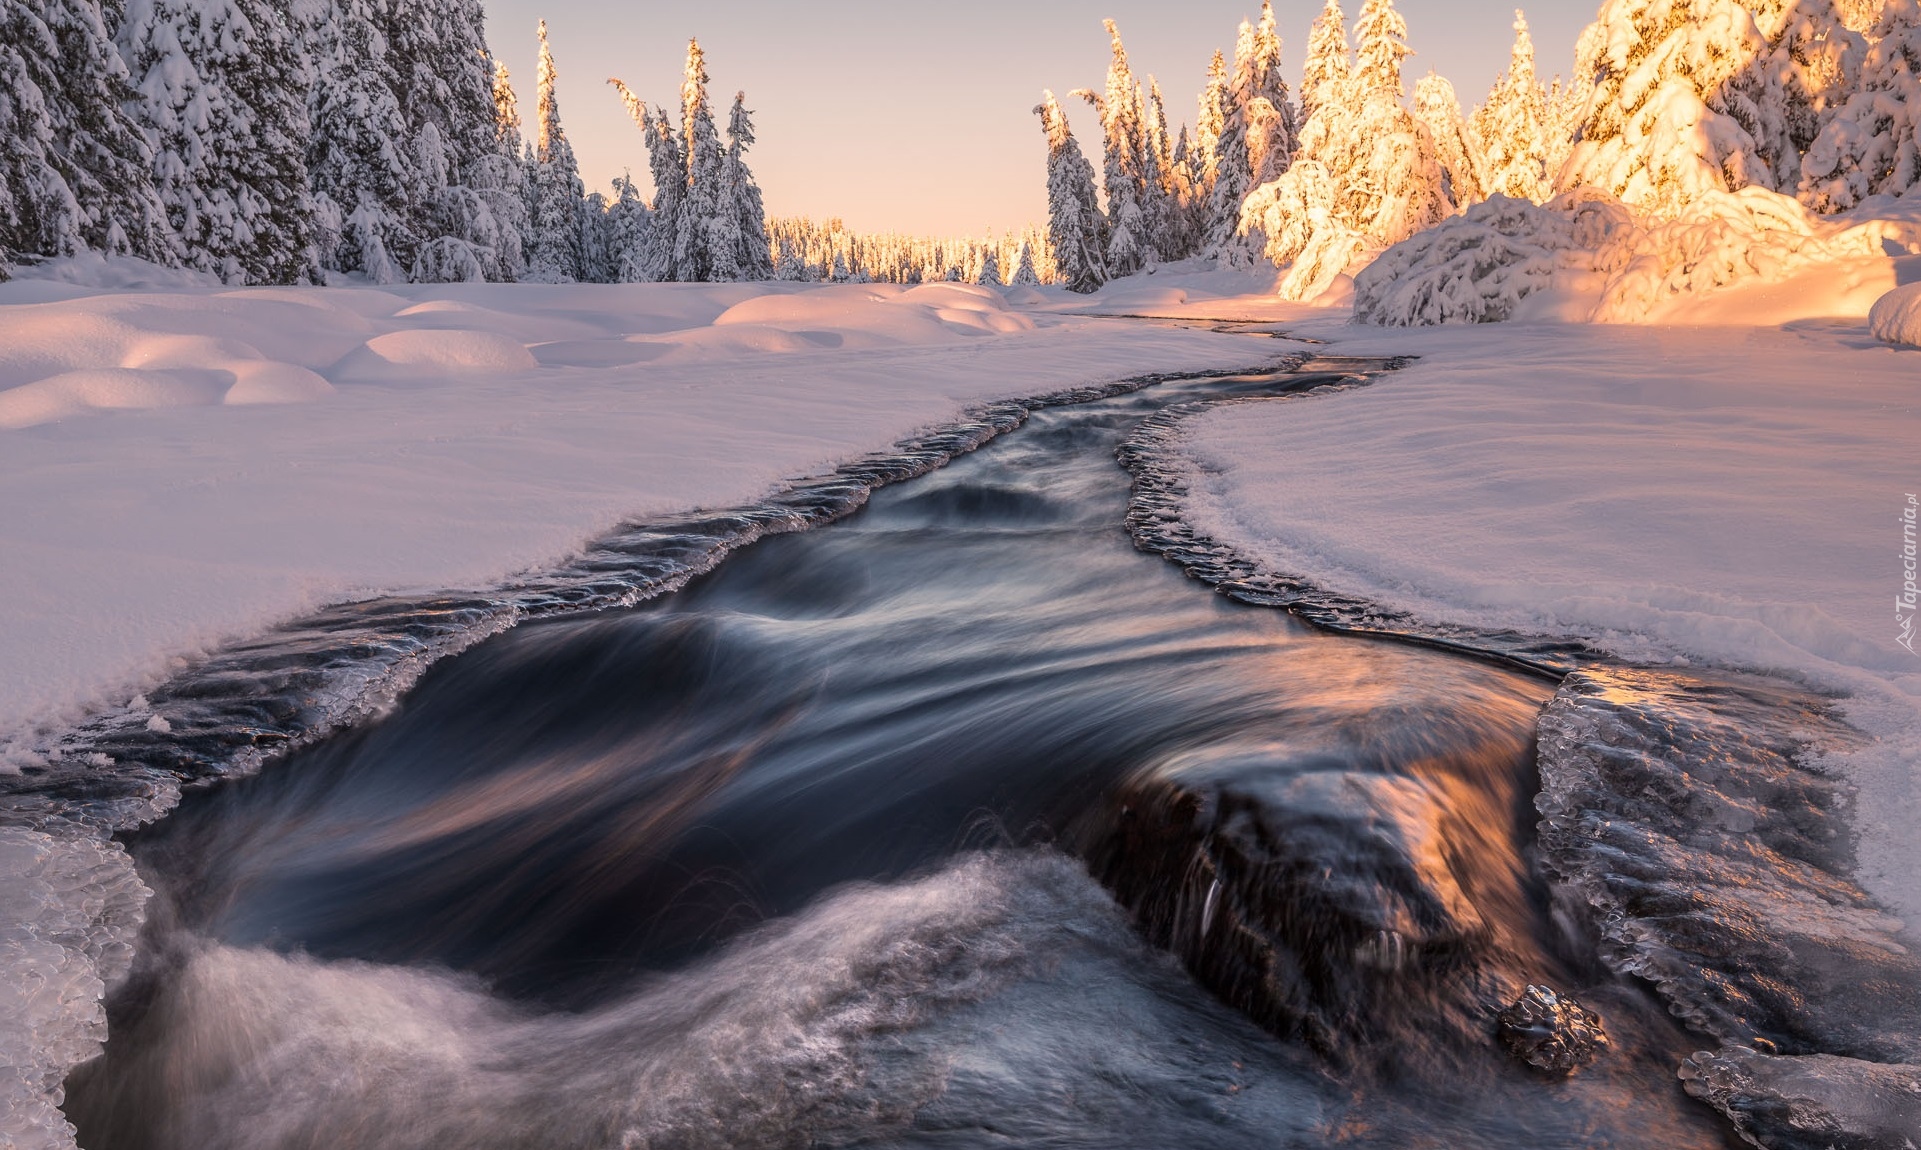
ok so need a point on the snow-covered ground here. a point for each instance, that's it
(187, 465)
(1716, 494)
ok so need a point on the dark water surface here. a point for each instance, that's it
(889, 834)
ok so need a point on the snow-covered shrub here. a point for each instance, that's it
(1896, 317)
(448, 260)
(1624, 264)
(1472, 269)
(1477, 267)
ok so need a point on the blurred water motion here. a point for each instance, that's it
(784, 859)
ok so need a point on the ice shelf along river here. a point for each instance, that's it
(967, 821)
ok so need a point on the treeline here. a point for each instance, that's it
(806, 250)
(269, 142)
(1670, 99)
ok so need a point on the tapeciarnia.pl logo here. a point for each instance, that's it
(1905, 603)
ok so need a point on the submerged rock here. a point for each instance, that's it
(1551, 1032)
(1339, 897)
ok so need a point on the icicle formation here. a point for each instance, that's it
(708, 222)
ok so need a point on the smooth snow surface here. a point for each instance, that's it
(1671, 494)
(184, 466)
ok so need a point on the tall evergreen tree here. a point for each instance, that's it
(1128, 246)
(1073, 216)
(1024, 273)
(1328, 58)
(1692, 97)
(359, 157)
(1381, 36)
(222, 92)
(1261, 94)
(1511, 128)
(703, 205)
(629, 225)
(557, 193)
(1871, 144)
(1209, 124)
(1439, 111)
(509, 188)
(76, 170)
(754, 257)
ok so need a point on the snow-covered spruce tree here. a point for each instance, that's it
(655, 261)
(1439, 111)
(1261, 94)
(507, 187)
(1328, 58)
(754, 258)
(1692, 97)
(446, 79)
(1233, 175)
(990, 273)
(222, 92)
(557, 190)
(1382, 159)
(1024, 273)
(1367, 175)
(1511, 128)
(1813, 65)
(699, 223)
(1871, 144)
(75, 169)
(1073, 216)
(1161, 185)
(599, 259)
(1128, 247)
(359, 156)
(1210, 121)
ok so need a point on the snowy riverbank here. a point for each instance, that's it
(1729, 496)
(157, 497)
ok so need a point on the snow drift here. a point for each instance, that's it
(1586, 256)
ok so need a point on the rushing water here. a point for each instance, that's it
(959, 823)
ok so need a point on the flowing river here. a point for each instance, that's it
(961, 822)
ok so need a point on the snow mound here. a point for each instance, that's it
(75, 392)
(1896, 317)
(1598, 260)
(433, 352)
(70, 911)
(874, 315)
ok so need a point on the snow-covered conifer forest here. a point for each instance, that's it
(283, 144)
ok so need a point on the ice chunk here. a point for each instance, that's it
(70, 908)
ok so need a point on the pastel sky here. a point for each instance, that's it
(913, 116)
